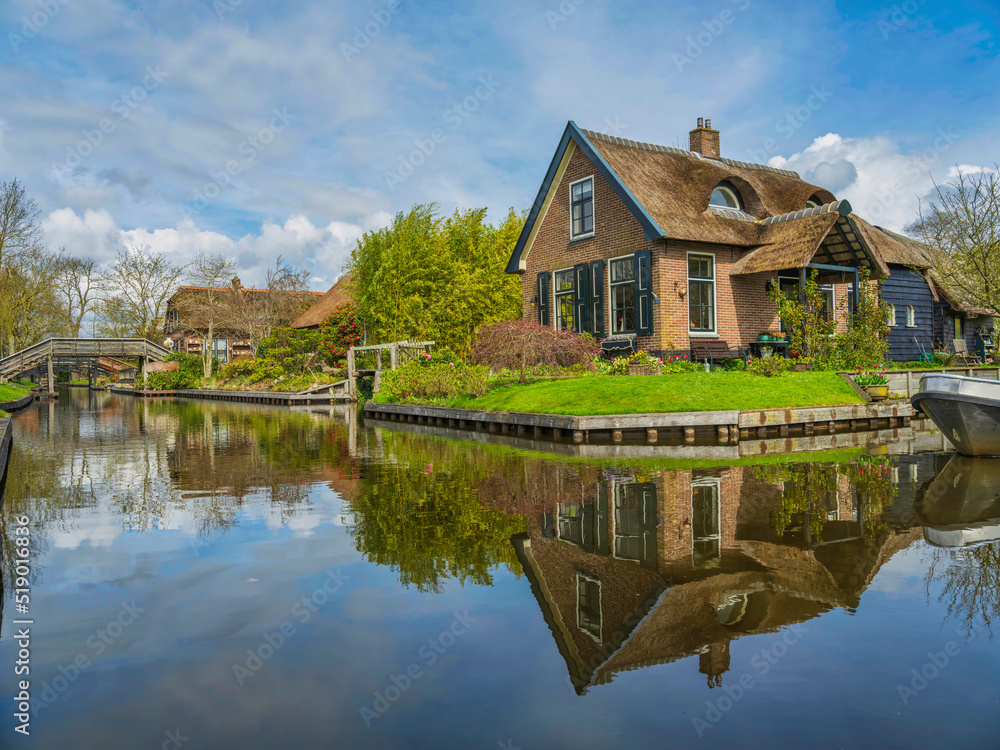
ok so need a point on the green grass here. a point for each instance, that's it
(637, 394)
(11, 392)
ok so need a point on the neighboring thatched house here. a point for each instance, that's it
(337, 296)
(925, 312)
(234, 310)
(670, 249)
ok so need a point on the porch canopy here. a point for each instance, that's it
(824, 239)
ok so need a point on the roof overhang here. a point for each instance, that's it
(574, 138)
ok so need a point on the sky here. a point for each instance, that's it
(254, 128)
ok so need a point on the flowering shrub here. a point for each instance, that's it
(416, 381)
(520, 344)
(441, 357)
(770, 367)
(865, 378)
(340, 332)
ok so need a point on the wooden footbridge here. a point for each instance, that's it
(102, 351)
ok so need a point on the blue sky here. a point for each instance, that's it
(255, 128)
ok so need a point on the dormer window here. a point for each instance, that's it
(813, 202)
(725, 196)
(581, 195)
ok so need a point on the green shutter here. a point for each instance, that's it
(543, 298)
(643, 293)
(581, 298)
(597, 297)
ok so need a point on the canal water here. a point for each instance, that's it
(206, 575)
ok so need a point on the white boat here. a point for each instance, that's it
(966, 410)
(961, 506)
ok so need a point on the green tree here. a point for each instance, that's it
(437, 279)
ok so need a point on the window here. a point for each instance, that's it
(701, 293)
(569, 524)
(628, 521)
(890, 316)
(911, 316)
(582, 207)
(564, 300)
(725, 196)
(826, 311)
(220, 349)
(706, 524)
(623, 295)
(588, 605)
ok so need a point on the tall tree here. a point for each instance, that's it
(962, 229)
(135, 294)
(206, 309)
(21, 249)
(78, 284)
(440, 279)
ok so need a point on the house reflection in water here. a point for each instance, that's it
(653, 569)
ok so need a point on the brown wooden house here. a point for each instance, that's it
(667, 249)
(187, 319)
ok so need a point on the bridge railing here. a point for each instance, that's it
(80, 349)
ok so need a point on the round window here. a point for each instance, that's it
(724, 197)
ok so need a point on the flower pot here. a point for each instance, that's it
(637, 369)
(802, 366)
(877, 392)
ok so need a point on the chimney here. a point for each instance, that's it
(704, 140)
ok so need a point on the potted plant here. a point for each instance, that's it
(764, 336)
(875, 383)
(802, 364)
(644, 363)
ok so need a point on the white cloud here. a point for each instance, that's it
(321, 249)
(883, 183)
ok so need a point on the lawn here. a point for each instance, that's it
(11, 392)
(642, 394)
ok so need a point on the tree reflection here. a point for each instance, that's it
(970, 583)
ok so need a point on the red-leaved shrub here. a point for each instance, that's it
(520, 344)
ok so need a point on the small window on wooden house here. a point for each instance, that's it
(582, 207)
(890, 315)
(911, 317)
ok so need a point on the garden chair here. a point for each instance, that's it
(962, 353)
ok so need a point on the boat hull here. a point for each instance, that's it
(961, 506)
(966, 410)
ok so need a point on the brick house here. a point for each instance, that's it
(186, 319)
(670, 249)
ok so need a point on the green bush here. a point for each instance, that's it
(237, 370)
(770, 367)
(415, 381)
(188, 374)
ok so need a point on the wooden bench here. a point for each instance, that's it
(716, 350)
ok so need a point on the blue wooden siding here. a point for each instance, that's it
(906, 287)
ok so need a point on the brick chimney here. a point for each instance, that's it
(704, 140)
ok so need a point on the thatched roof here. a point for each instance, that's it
(337, 296)
(191, 302)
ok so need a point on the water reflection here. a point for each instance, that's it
(630, 564)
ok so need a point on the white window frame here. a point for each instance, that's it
(890, 317)
(714, 333)
(707, 482)
(593, 204)
(226, 349)
(600, 604)
(555, 306)
(911, 317)
(609, 304)
(615, 487)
